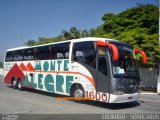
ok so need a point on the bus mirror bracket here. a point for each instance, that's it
(111, 46)
(142, 53)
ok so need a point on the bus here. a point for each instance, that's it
(100, 69)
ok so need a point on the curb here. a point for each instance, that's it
(141, 100)
(149, 93)
(149, 100)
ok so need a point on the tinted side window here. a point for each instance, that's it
(29, 54)
(85, 52)
(18, 55)
(59, 51)
(9, 56)
(42, 53)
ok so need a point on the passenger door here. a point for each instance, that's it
(102, 81)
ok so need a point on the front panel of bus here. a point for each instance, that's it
(125, 81)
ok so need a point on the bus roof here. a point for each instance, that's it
(73, 40)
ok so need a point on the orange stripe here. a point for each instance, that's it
(89, 78)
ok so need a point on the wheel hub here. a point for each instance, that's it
(78, 93)
(14, 82)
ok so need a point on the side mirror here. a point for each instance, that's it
(142, 53)
(112, 46)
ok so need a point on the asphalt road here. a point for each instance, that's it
(13, 101)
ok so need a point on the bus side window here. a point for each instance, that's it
(67, 55)
(60, 51)
(60, 56)
(42, 53)
(85, 52)
(79, 56)
(51, 54)
(9, 56)
(29, 54)
(18, 56)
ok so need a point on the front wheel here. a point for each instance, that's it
(78, 93)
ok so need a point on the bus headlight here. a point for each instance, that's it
(118, 92)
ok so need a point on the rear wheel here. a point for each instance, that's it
(14, 83)
(20, 85)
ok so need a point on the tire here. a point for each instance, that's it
(77, 93)
(14, 83)
(20, 85)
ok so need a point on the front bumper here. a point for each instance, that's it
(124, 98)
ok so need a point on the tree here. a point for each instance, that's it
(84, 33)
(137, 26)
(30, 43)
(73, 33)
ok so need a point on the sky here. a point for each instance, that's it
(30, 19)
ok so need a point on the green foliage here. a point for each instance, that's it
(74, 33)
(30, 43)
(43, 40)
(137, 26)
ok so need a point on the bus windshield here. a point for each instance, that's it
(126, 61)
